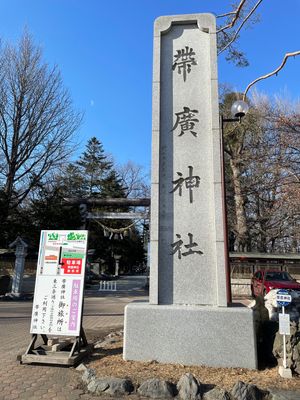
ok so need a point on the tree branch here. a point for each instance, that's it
(275, 72)
(226, 15)
(239, 28)
(236, 14)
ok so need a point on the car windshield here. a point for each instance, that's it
(278, 276)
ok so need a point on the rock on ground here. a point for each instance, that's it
(216, 394)
(188, 387)
(88, 375)
(109, 339)
(277, 394)
(156, 389)
(111, 386)
(244, 391)
(81, 367)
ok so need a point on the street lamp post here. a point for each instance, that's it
(238, 110)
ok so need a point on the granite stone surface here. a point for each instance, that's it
(187, 320)
(190, 335)
(186, 198)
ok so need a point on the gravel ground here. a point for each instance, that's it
(107, 361)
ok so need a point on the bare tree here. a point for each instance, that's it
(37, 121)
(263, 168)
(239, 140)
(134, 180)
(262, 153)
(242, 14)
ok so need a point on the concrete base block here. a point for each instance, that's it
(190, 335)
(14, 295)
(285, 372)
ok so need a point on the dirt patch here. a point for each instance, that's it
(108, 361)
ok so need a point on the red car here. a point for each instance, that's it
(264, 281)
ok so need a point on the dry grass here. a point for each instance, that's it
(107, 361)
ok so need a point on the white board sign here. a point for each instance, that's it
(284, 324)
(57, 303)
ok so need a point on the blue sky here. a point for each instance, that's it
(104, 51)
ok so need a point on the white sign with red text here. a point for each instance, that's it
(57, 303)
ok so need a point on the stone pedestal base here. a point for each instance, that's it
(285, 372)
(190, 335)
(17, 295)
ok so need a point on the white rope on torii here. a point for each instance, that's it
(118, 231)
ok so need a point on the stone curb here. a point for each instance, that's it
(187, 388)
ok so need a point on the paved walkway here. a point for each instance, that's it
(102, 311)
(27, 381)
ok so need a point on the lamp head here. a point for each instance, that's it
(239, 109)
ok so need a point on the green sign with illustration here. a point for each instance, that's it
(76, 236)
(70, 236)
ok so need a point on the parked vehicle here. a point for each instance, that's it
(265, 280)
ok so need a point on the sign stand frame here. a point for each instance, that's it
(45, 355)
(63, 355)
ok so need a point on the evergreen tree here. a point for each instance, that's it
(112, 186)
(72, 181)
(49, 211)
(94, 167)
(93, 175)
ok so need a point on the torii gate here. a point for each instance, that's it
(112, 202)
(83, 204)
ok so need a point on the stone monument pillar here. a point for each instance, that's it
(187, 320)
(117, 264)
(21, 252)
